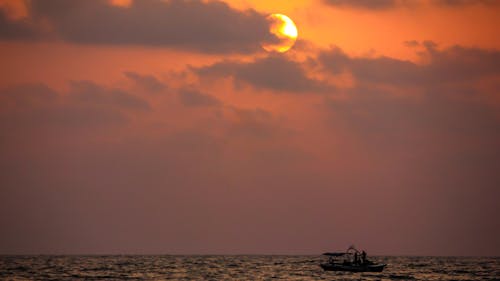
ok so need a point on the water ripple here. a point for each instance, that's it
(237, 268)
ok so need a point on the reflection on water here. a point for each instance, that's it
(237, 268)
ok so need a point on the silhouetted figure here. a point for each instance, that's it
(363, 257)
(330, 260)
(356, 258)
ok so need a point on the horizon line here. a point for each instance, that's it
(239, 254)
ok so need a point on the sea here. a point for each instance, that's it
(252, 267)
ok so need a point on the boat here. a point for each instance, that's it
(352, 267)
(350, 261)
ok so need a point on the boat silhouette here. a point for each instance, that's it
(351, 260)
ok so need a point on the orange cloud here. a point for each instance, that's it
(14, 9)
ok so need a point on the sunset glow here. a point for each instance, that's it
(237, 126)
(284, 29)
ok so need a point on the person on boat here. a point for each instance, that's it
(356, 258)
(363, 257)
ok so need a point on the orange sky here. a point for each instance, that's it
(175, 100)
(357, 31)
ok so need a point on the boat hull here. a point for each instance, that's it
(353, 268)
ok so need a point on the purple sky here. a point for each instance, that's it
(164, 128)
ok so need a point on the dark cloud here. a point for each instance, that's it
(454, 64)
(376, 113)
(363, 4)
(389, 4)
(147, 82)
(411, 43)
(445, 104)
(381, 69)
(29, 94)
(457, 3)
(87, 92)
(16, 29)
(272, 72)
(191, 97)
(210, 27)
(26, 107)
(256, 122)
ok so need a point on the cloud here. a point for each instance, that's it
(376, 114)
(190, 97)
(374, 70)
(87, 92)
(273, 73)
(363, 4)
(397, 102)
(431, 131)
(457, 3)
(208, 27)
(29, 94)
(453, 64)
(16, 29)
(257, 123)
(26, 107)
(147, 82)
(378, 5)
(411, 43)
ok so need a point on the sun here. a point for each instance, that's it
(284, 29)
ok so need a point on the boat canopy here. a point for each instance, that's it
(338, 254)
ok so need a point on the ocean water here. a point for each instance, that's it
(237, 268)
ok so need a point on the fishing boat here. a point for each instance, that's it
(351, 260)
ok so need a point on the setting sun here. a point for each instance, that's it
(285, 30)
